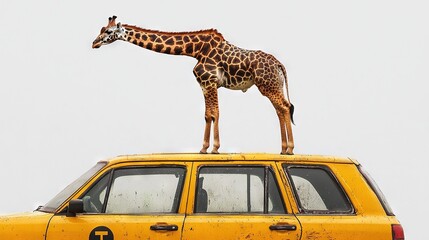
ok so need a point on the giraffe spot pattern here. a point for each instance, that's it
(220, 64)
(241, 68)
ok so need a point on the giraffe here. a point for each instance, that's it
(220, 64)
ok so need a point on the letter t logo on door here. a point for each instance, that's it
(101, 234)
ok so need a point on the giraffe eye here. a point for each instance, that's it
(108, 31)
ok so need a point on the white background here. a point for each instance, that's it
(358, 73)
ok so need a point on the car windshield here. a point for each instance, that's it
(52, 205)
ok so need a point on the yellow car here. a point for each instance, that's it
(215, 196)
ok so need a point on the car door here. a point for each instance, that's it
(326, 211)
(238, 200)
(141, 201)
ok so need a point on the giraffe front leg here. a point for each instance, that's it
(216, 143)
(211, 115)
(214, 106)
(214, 110)
(206, 141)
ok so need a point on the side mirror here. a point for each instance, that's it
(75, 206)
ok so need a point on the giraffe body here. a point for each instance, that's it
(220, 64)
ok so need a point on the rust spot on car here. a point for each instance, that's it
(249, 236)
(312, 235)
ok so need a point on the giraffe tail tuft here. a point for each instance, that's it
(291, 107)
(291, 110)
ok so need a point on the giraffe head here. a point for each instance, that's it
(109, 33)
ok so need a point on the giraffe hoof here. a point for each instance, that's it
(215, 152)
(286, 153)
(203, 151)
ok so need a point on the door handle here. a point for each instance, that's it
(164, 227)
(283, 227)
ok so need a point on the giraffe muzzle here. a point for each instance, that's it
(97, 43)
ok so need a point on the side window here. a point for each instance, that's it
(145, 190)
(236, 189)
(137, 191)
(317, 191)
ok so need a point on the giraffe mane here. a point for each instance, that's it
(211, 31)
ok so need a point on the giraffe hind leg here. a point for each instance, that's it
(284, 110)
(282, 130)
(286, 131)
(289, 121)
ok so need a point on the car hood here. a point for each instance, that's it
(30, 225)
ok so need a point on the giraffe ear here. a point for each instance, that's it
(119, 25)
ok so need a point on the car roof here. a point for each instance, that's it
(174, 157)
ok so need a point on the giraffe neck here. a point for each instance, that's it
(177, 43)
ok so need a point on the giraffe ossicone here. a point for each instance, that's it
(220, 64)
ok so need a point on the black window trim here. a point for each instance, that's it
(110, 171)
(303, 211)
(265, 212)
(377, 191)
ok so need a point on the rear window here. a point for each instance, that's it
(377, 191)
(317, 191)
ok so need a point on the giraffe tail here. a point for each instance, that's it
(291, 107)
